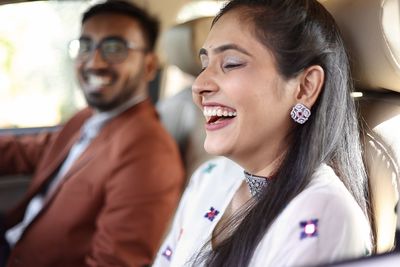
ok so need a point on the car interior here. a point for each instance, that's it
(371, 32)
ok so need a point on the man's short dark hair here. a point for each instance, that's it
(148, 24)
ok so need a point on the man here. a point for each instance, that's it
(105, 186)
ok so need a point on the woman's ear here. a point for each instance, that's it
(151, 65)
(310, 85)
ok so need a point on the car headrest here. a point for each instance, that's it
(182, 43)
(371, 31)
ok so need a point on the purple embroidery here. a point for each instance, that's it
(309, 228)
(167, 253)
(211, 214)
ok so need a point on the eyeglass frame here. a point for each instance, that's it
(74, 48)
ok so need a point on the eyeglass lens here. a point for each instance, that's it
(113, 50)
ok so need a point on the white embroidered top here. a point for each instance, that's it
(322, 224)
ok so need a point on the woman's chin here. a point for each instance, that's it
(215, 148)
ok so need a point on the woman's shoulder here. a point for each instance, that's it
(326, 193)
(326, 187)
(323, 223)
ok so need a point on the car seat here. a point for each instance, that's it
(371, 32)
(179, 114)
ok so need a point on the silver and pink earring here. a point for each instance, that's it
(300, 113)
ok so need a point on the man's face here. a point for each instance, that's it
(107, 83)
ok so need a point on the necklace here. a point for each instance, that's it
(256, 183)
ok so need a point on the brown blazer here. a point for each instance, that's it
(113, 206)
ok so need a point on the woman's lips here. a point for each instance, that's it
(218, 117)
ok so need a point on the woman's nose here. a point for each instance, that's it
(204, 84)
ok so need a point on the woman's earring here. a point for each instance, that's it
(300, 113)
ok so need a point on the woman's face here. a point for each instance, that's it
(245, 101)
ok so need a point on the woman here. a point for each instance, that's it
(275, 92)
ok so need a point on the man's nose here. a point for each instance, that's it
(96, 59)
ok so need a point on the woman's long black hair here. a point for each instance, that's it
(300, 33)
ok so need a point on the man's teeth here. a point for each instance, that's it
(218, 111)
(97, 81)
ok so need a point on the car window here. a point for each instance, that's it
(37, 80)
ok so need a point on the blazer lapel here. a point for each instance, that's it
(59, 151)
(100, 143)
(96, 146)
(48, 172)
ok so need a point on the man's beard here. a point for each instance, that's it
(95, 101)
(131, 88)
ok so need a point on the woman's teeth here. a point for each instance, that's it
(218, 111)
(213, 114)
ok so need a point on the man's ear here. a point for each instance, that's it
(310, 85)
(151, 65)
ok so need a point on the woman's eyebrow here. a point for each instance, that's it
(203, 51)
(223, 48)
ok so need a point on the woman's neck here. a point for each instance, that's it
(263, 166)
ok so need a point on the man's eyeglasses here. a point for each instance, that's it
(112, 49)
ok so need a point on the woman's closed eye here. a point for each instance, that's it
(232, 65)
(228, 66)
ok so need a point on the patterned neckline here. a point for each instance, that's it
(256, 183)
